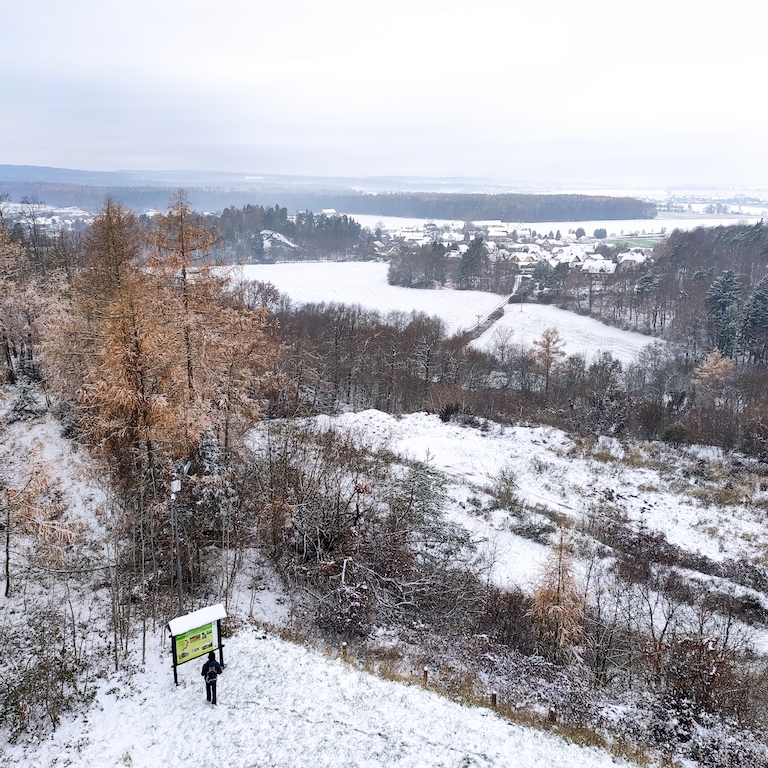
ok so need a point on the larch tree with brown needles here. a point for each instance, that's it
(557, 606)
(548, 352)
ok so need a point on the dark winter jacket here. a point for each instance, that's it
(211, 665)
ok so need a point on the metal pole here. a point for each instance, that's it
(175, 487)
(178, 564)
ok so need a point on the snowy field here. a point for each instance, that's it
(281, 706)
(365, 283)
(523, 324)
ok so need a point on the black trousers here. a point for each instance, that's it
(210, 692)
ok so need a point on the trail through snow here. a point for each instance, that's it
(282, 706)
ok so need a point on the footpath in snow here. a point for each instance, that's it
(282, 706)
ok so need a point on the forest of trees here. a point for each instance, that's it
(433, 265)
(506, 207)
(318, 236)
(157, 364)
(432, 205)
(703, 289)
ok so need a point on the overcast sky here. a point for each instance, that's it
(608, 91)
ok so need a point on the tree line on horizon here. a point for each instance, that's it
(517, 207)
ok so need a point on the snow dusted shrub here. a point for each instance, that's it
(25, 405)
(449, 410)
(699, 670)
(209, 453)
(43, 678)
(527, 523)
(505, 490)
(347, 610)
(723, 746)
(365, 535)
(676, 434)
(506, 619)
(70, 429)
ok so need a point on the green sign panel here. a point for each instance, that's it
(196, 642)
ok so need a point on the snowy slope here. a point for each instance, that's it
(282, 706)
(643, 485)
(365, 283)
(581, 335)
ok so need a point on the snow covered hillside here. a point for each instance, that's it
(523, 324)
(281, 706)
(649, 487)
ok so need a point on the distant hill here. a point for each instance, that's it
(214, 191)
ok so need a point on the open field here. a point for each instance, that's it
(365, 283)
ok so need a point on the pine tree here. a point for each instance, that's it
(472, 263)
(755, 323)
(723, 307)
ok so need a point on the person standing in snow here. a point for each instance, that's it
(211, 670)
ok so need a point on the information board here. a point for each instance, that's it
(196, 642)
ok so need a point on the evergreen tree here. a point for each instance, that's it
(472, 263)
(723, 308)
(755, 323)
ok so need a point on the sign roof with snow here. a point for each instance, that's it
(196, 619)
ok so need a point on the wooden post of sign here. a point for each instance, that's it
(221, 645)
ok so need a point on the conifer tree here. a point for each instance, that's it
(557, 605)
(723, 307)
(548, 352)
(221, 340)
(755, 326)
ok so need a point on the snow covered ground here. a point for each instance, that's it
(523, 324)
(365, 283)
(282, 706)
(645, 486)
